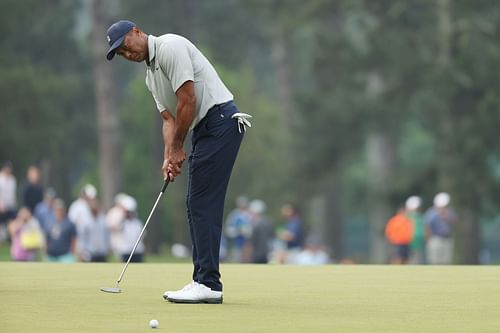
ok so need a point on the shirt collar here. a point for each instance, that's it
(151, 49)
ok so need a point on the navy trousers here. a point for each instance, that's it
(216, 141)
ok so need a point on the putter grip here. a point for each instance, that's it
(165, 184)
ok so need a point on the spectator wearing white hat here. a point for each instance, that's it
(130, 231)
(8, 186)
(239, 229)
(417, 246)
(439, 222)
(80, 210)
(114, 221)
(263, 232)
(93, 237)
(8, 202)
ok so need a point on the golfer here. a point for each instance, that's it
(190, 96)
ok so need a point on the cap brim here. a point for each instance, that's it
(112, 49)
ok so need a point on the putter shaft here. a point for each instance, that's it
(165, 184)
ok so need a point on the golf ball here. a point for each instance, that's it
(153, 323)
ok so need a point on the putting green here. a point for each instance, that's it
(42, 297)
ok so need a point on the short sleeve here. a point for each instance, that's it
(176, 62)
(294, 227)
(159, 106)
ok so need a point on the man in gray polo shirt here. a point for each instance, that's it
(190, 96)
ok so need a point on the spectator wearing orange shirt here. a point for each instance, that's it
(399, 232)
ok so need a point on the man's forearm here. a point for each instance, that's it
(168, 133)
(184, 119)
(176, 129)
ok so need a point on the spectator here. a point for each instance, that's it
(93, 236)
(26, 235)
(239, 229)
(32, 192)
(8, 204)
(60, 236)
(293, 233)
(223, 250)
(114, 222)
(262, 234)
(313, 253)
(80, 210)
(130, 232)
(417, 245)
(439, 221)
(44, 211)
(399, 232)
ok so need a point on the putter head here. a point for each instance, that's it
(113, 290)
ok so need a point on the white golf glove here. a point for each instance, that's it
(243, 121)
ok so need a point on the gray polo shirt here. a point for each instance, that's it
(174, 60)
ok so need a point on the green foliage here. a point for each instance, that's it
(140, 121)
(46, 94)
(262, 169)
(357, 68)
(38, 115)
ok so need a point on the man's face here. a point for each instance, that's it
(33, 175)
(133, 47)
(287, 211)
(60, 213)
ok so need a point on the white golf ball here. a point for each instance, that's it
(153, 323)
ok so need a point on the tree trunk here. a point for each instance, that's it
(445, 162)
(325, 220)
(469, 247)
(108, 122)
(467, 237)
(334, 224)
(281, 64)
(279, 56)
(382, 162)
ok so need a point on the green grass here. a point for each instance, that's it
(42, 297)
(4, 251)
(162, 257)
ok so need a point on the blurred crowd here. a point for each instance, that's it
(251, 237)
(422, 238)
(42, 227)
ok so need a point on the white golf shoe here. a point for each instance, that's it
(198, 293)
(185, 288)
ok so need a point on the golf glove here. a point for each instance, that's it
(243, 121)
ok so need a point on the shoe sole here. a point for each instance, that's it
(189, 301)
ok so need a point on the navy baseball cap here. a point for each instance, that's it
(116, 34)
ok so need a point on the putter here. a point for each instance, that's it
(117, 290)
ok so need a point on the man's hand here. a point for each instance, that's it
(164, 169)
(173, 164)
